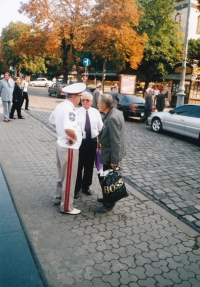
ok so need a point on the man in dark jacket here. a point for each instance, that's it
(17, 100)
(148, 104)
(160, 104)
(114, 94)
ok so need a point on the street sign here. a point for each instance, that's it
(86, 62)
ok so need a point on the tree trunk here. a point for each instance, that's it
(65, 50)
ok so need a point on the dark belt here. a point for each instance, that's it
(93, 139)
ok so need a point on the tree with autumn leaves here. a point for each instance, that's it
(103, 28)
(112, 35)
(62, 31)
(17, 40)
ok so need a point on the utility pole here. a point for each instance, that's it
(181, 94)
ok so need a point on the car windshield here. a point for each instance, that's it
(183, 110)
(134, 99)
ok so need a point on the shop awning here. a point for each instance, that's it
(178, 77)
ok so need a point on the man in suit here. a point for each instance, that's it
(6, 92)
(90, 121)
(148, 104)
(111, 138)
(114, 94)
(17, 100)
(160, 104)
(96, 95)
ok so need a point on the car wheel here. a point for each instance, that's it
(156, 125)
(33, 85)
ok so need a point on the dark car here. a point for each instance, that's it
(56, 90)
(132, 105)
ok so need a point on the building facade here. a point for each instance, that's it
(180, 16)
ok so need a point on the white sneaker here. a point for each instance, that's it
(74, 211)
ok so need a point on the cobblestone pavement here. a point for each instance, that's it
(164, 167)
(136, 244)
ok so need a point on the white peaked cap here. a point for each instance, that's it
(74, 88)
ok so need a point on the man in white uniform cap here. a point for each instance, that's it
(69, 134)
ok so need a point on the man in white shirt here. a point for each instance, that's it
(91, 124)
(25, 84)
(64, 119)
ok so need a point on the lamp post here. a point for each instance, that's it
(181, 94)
(104, 73)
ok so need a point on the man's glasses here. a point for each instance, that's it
(85, 100)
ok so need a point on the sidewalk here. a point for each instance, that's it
(17, 263)
(136, 244)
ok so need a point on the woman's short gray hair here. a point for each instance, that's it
(107, 100)
(87, 94)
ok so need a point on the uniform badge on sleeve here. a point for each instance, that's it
(72, 117)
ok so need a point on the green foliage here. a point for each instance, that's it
(11, 36)
(194, 50)
(165, 44)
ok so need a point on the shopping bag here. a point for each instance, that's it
(112, 185)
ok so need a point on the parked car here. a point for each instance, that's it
(132, 105)
(41, 82)
(184, 120)
(56, 90)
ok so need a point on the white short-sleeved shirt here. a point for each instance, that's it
(95, 121)
(64, 117)
(25, 85)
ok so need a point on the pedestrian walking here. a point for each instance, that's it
(114, 94)
(64, 119)
(148, 104)
(156, 93)
(17, 99)
(6, 92)
(96, 94)
(91, 124)
(160, 103)
(25, 84)
(111, 139)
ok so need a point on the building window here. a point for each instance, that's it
(198, 25)
(178, 18)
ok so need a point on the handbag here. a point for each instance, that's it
(113, 186)
(98, 163)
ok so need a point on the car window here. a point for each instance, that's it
(195, 112)
(123, 100)
(183, 110)
(135, 100)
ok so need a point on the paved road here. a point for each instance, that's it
(164, 167)
(138, 243)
